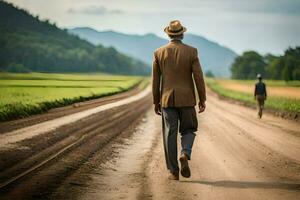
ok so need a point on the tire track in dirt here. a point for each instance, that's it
(100, 129)
(122, 174)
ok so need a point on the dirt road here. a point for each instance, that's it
(235, 156)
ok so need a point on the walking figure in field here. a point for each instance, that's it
(260, 94)
(174, 67)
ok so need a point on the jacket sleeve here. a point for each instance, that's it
(155, 80)
(198, 77)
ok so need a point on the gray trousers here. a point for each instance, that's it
(185, 119)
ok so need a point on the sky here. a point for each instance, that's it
(266, 26)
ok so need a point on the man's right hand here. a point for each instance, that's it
(157, 109)
(202, 107)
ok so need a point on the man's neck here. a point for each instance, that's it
(175, 40)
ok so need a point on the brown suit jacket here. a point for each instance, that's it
(174, 67)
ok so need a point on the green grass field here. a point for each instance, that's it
(31, 93)
(281, 103)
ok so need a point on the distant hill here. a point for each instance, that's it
(213, 56)
(29, 44)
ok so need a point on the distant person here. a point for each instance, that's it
(174, 67)
(260, 94)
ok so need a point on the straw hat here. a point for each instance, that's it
(175, 28)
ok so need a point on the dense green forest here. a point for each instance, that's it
(29, 44)
(284, 67)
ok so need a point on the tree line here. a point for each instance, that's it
(284, 67)
(29, 44)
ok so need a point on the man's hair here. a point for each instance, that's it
(178, 37)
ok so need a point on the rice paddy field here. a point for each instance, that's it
(31, 93)
(282, 96)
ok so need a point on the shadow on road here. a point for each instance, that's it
(249, 184)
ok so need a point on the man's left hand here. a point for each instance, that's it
(157, 109)
(202, 107)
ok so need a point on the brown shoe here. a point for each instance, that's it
(185, 169)
(174, 176)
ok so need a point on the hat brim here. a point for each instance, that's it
(166, 30)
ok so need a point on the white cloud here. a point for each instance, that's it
(94, 10)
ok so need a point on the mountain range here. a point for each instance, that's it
(213, 57)
(30, 44)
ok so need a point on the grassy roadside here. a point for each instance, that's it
(272, 83)
(282, 104)
(22, 95)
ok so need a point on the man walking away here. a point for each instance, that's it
(175, 66)
(260, 94)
